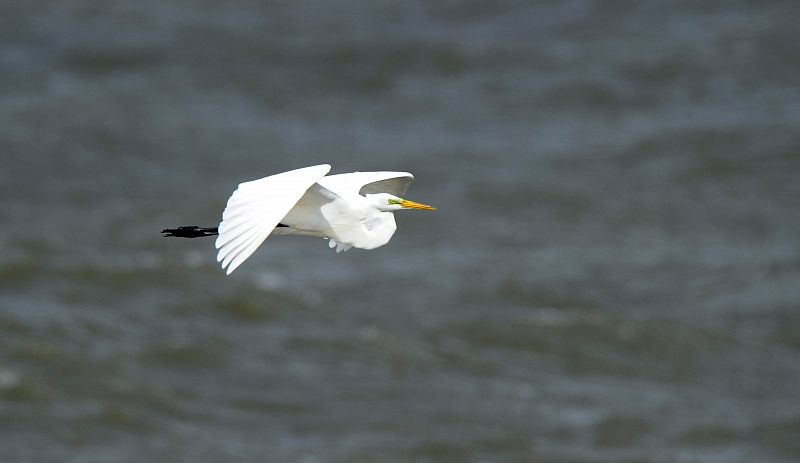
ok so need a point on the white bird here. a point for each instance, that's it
(350, 210)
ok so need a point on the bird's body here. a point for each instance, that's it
(351, 210)
(318, 215)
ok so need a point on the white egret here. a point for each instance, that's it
(350, 210)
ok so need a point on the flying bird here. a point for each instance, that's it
(349, 210)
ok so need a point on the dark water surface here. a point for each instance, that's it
(613, 274)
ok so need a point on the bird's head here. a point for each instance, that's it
(387, 203)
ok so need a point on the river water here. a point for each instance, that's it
(613, 273)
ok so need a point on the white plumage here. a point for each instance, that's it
(351, 210)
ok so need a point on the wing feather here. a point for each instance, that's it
(396, 183)
(239, 247)
(236, 235)
(256, 208)
(235, 230)
(234, 247)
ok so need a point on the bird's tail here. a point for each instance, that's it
(190, 231)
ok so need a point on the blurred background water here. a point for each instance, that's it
(613, 274)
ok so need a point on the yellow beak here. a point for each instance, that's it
(412, 205)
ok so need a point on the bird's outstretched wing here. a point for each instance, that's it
(256, 208)
(395, 183)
